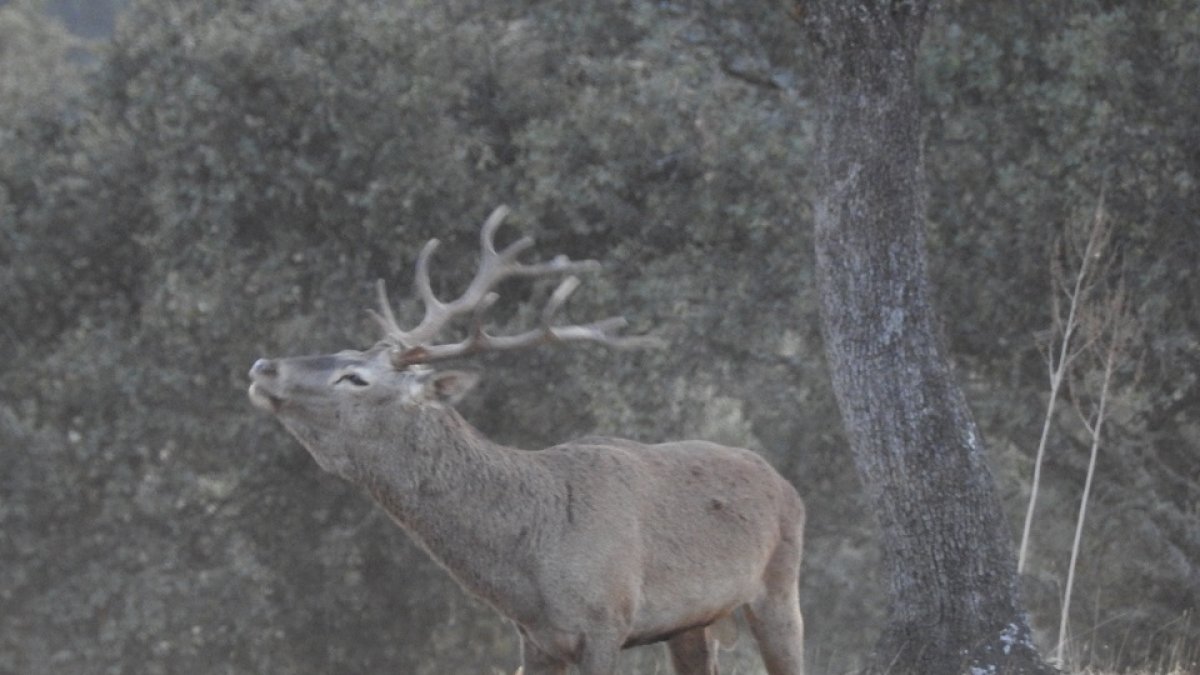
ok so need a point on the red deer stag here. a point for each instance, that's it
(589, 547)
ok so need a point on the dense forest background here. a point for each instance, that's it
(201, 184)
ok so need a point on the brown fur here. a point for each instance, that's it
(589, 546)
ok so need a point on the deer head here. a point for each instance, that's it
(331, 402)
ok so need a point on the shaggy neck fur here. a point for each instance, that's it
(472, 504)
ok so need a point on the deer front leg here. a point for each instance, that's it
(693, 652)
(534, 661)
(599, 657)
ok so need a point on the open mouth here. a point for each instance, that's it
(264, 399)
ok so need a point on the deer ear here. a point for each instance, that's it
(450, 386)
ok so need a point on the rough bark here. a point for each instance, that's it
(947, 548)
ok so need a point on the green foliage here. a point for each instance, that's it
(227, 179)
(41, 96)
(1033, 112)
(234, 181)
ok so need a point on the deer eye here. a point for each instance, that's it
(353, 379)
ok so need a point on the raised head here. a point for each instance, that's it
(337, 404)
(328, 402)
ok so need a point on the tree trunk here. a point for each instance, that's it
(947, 547)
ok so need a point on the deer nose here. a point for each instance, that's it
(264, 368)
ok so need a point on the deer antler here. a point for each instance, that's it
(414, 346)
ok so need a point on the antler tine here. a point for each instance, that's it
(414, 346)
(508, 257)
(558, 298)
(598, 331)
(484, 305)
(487, 234)
(602, 332)
(487, 237)
(386, 319)
(424, 286)
(493, 267)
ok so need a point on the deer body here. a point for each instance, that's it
(589, 547)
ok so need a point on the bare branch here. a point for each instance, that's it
(1117, 328)
(1084, 249)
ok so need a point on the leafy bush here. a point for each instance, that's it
(227, 179)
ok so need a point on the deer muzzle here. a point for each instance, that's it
(263, 377)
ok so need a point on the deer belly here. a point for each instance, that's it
(669, 609)
(650, 637)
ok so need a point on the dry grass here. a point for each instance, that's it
(1182, 659)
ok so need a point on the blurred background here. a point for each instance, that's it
(185, 187)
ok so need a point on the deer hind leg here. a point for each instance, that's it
(774, 617)
(779, 630)
(693, 652)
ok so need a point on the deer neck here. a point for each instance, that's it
(471, 503)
